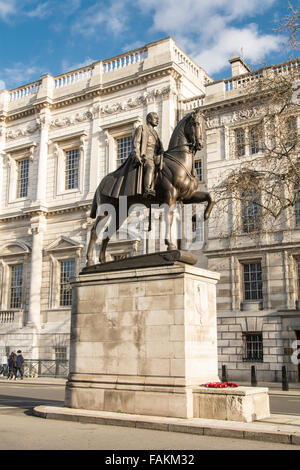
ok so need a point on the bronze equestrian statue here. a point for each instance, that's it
(175, 181)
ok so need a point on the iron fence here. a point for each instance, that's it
(46, 368)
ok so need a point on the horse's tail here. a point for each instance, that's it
(94, 207)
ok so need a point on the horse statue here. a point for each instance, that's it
(176, 181)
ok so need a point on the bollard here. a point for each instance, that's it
(253, 377)
(285, 384)
(224, 374)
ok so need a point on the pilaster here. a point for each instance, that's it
(2, 155)
(44, 120)
(94, 153)
(37, 231)
(168, 109)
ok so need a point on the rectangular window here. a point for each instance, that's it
(16, 284)
(297, 205)
(250, 212)
(252, 281)
(240, 142)
(124, 145)
(292, 131)
(60, 353)
(198, 168)
(67, 270)
(253, 347)
(72, 169)
(254, 140)
(22, 177)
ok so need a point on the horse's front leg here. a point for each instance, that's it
(199, 197)
(102, 256)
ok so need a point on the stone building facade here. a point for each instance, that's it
(258, 292)
(60, 135)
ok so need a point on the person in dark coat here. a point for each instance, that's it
(12, 366)
(20, 364)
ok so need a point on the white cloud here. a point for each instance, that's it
(2, 84)
(7, 8)
(19, 74)
(40, 11)
(233, 40)
(67, 66)
(132, 45)
(211, 31)
(112, 17)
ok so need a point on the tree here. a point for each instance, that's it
(261, 189)
(291, 24)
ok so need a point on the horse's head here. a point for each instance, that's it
(194, 130)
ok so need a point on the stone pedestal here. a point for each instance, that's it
(141, 339)
(144, 339)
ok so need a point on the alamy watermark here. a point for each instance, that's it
(138, 220)
(295, 357)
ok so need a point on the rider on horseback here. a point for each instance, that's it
(147, 151)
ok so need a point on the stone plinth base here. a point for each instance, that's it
(143, 340)
(135, 395)
(244, 404)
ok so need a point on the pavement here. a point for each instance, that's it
(279, 428)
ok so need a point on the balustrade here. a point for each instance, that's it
(242, 81)
(73, 77)
(28, 90)
(190, 104)
(7, 316)
(12, 316)
(125, 60)
(183, 60)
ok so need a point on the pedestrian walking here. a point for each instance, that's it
(20, 364)
(12, 366)
(4, 364)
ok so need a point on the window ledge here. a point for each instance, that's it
(58, 309)
(250, 306)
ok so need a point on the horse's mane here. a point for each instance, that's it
(179, 126)
(181, 122)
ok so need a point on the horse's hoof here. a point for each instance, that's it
(171, 247)
(90, 262)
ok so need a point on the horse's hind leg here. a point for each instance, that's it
(168, 239)
(111, 230)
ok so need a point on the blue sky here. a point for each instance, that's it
(54, 36)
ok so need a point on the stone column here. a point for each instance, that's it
(37, 229)
(94, 159)
(42, 160)
(168, 114)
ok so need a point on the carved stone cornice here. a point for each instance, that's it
(47, 213)
(71, 120)
(23, 131)
(99, 90)
(143, 99)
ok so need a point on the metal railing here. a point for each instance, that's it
(46, 368)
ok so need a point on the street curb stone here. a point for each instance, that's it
(229, 429)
